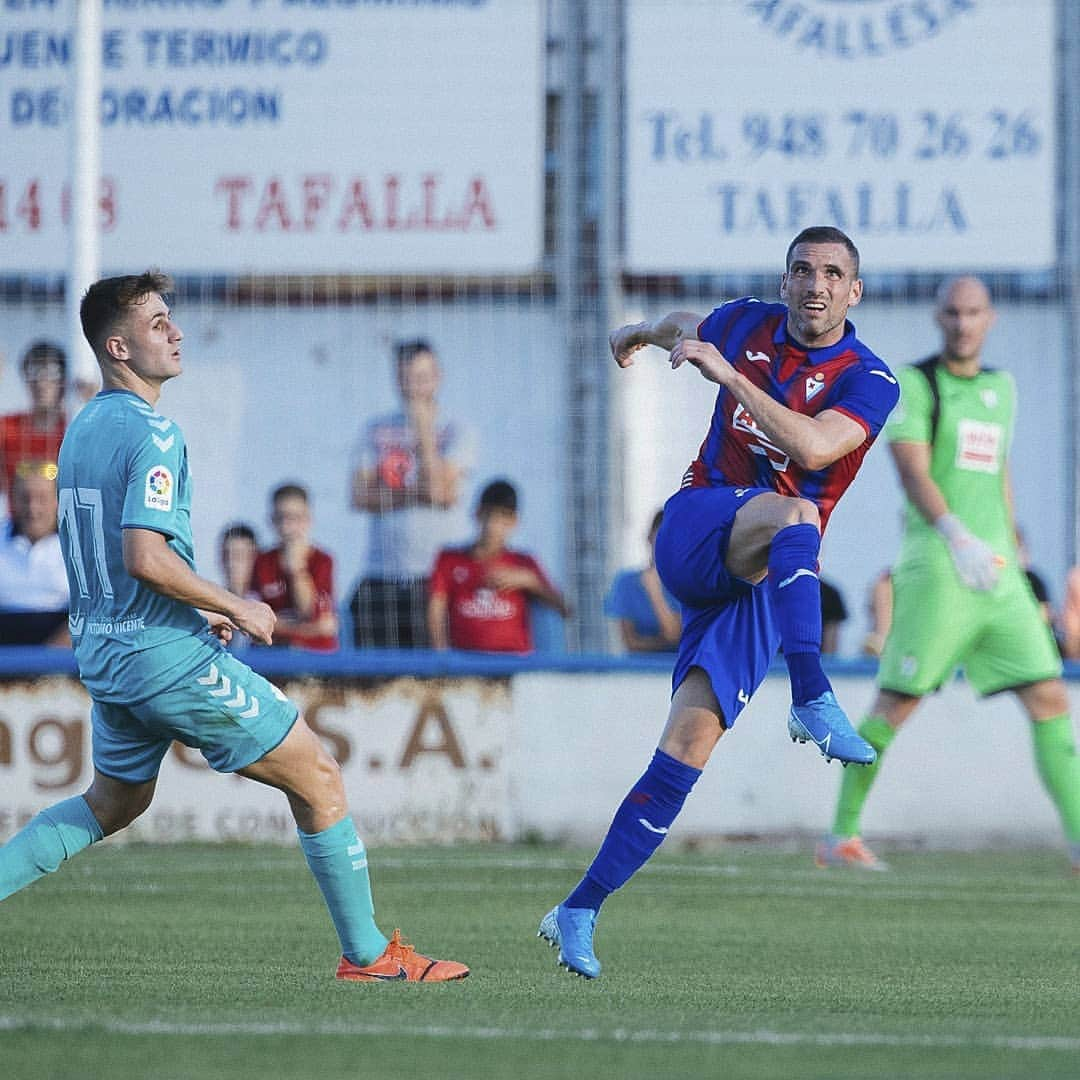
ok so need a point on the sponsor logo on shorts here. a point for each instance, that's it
(159, 489)
(908, 666)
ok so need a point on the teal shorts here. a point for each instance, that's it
(232, 715)
(999, 638)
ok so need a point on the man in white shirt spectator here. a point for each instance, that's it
(33, 583)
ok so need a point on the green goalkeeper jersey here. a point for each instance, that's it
(970, 449)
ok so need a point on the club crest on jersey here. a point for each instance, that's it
(159, 489)
(989, 398)
(814, 385)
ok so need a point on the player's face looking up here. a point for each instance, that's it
(965, 315)
(819, 286)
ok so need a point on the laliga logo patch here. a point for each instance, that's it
(159, 489)
(814, 385)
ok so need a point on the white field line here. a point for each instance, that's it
(760, 1037)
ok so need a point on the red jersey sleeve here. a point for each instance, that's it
(439, 585)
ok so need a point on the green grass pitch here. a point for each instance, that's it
(208, 961)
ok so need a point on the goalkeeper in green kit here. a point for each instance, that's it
(960, 596)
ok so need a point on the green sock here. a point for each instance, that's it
(1059, 769)
(855, 785)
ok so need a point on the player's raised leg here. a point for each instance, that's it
(641, 822)
(311, 780)
(783, 534)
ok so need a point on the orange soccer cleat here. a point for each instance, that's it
(852, 852)
(400, 962)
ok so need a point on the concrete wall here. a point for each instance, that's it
(550, 754)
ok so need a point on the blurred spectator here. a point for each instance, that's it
(296, 578)
(879, 610)
(237, 548)
(35, 435)
(237, 552)
(33, 582)
(1035, 579)
(1069, 631)
(409, 478)
(480, 594)
(834, 614)
(649, 616)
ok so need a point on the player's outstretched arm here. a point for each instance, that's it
(149, 559)
(665, 332)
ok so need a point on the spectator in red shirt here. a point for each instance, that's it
(296, 578)
(35, 435)
(480, 595)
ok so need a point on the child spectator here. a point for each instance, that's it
(237, 552)
(237, 549)
(649, 616)
(480, 594)
(296, 578)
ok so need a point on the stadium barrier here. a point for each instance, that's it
(437, 747)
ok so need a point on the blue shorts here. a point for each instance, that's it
(729, 630)
(224, 709)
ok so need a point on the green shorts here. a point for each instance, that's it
(999, 638)
(223, 709)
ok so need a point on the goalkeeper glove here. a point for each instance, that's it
(974, 560)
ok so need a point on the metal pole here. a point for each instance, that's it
(1069, 30)
(85, 173)
(582, 291)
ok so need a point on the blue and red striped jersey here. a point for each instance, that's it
(846, 376)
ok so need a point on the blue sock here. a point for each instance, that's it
(50, 837)
(337, 858)
(796, 596)
(639, 826)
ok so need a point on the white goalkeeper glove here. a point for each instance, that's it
(974, 560)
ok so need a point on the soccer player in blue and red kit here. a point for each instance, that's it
(801, 401)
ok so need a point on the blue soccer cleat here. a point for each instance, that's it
(824, 723)
(571, 929)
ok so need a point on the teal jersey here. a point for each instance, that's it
(122, 466)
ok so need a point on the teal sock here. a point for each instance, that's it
(55, 834)
(337, 858)
(1059, 769)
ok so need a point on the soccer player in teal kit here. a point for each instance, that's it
(149, 636)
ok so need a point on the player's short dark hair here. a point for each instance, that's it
(42, 352)
(290, 491)
(406, 351)
(107, 301)
(498, 495)
(239, 530)
(823, 234)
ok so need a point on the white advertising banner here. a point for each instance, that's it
(925, 129)
(283, 135)
(421, 761)
(551, 754)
